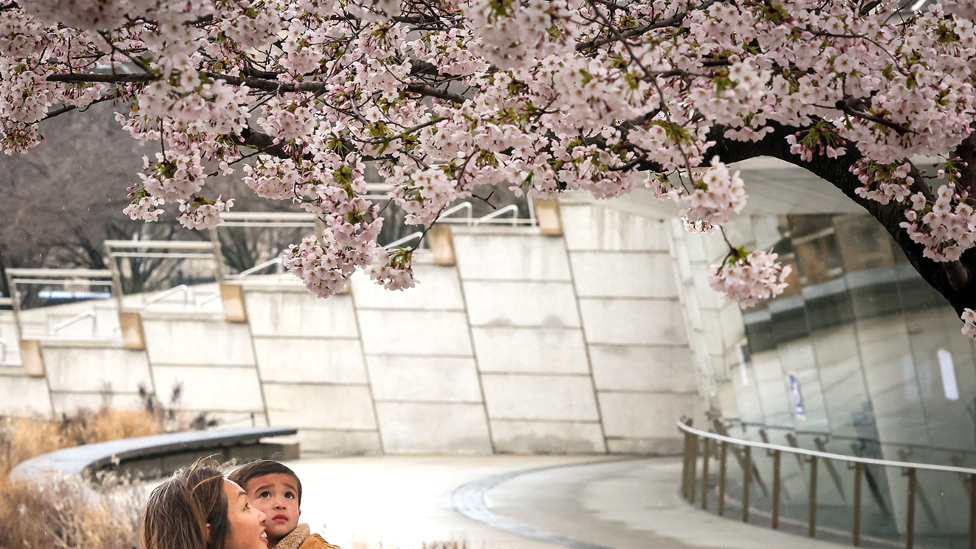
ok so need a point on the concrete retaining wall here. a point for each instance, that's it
(529, 344)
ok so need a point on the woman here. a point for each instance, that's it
(199, 509)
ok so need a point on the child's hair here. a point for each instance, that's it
(243, 474)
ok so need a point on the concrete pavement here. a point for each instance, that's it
(518, 502)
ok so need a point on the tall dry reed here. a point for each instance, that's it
(61, 512)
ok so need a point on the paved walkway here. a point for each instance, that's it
(517, 502)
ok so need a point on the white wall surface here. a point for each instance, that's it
(530, 343)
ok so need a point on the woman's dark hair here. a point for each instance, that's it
(243, 474)
(180, 509)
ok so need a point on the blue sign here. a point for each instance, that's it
(797, 396)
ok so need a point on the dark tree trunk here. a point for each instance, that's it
(959, 289)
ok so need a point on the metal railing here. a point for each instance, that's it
(695, 438)
(74, 320)
(17, 278)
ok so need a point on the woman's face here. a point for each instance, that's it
(246, 523)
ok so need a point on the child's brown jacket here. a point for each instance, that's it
(301, 538)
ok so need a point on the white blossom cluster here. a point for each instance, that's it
(748, 278)
(445, 95)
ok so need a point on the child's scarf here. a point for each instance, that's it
(295, 538)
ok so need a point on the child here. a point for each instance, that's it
(276, 491)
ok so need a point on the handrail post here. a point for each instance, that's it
(722, 471)
(910, 513)
(972, 511)
(684, 464)
(704, 489)
(692, 466)
(746, 480)
(776, 487)
(812, 517)
(856, 526)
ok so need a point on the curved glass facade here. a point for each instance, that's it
(860, 357)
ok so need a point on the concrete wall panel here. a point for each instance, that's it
(69, 403)
(96, 369)
(224, 389)
(549, 304)
(645, 415)
(310, 360)
(184, 341)
(425, 379)
(24, 395)
(556, 437)
(632, 322)
(595, 228)
(415, 332)
(530, 350)
(300, 314)
(414, 427)
(643, 368)
(654, 446)
(604, 274)
(438, 288)
(338, 443)
(336, 407)
(528, 397)
(514, 257)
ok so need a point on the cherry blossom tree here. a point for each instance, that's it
(540, 96)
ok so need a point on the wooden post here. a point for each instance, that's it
(692, 466)
(776, 487)
(704, 490)
(746, 480)
(812, 518)
(684, 467)
(856, 529)
(972, 511)
(910, 514)
(723, 461)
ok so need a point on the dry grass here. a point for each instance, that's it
(63, 513)
(22, 438)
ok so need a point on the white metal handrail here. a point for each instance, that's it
(210, 298)
(61, 273)
(811, 457)
(73, 320)
(510, 208)
(256, 268)
(158, 245)
(164, 255)
(60, 281)
(454, 209)
(838, 457)
(163, 295)
(404, 240)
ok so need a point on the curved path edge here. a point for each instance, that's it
(469, 500)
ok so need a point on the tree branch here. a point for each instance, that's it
(251, 82)
(952, 281)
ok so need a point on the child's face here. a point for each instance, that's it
(275, 495)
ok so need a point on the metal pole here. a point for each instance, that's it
(910, 515)
(812, 520)
(684, 467)
(746, 480)
(972, 511)
(692, 464)
(704, 490)
(776, 487)
(856, 529)
(723, 460)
